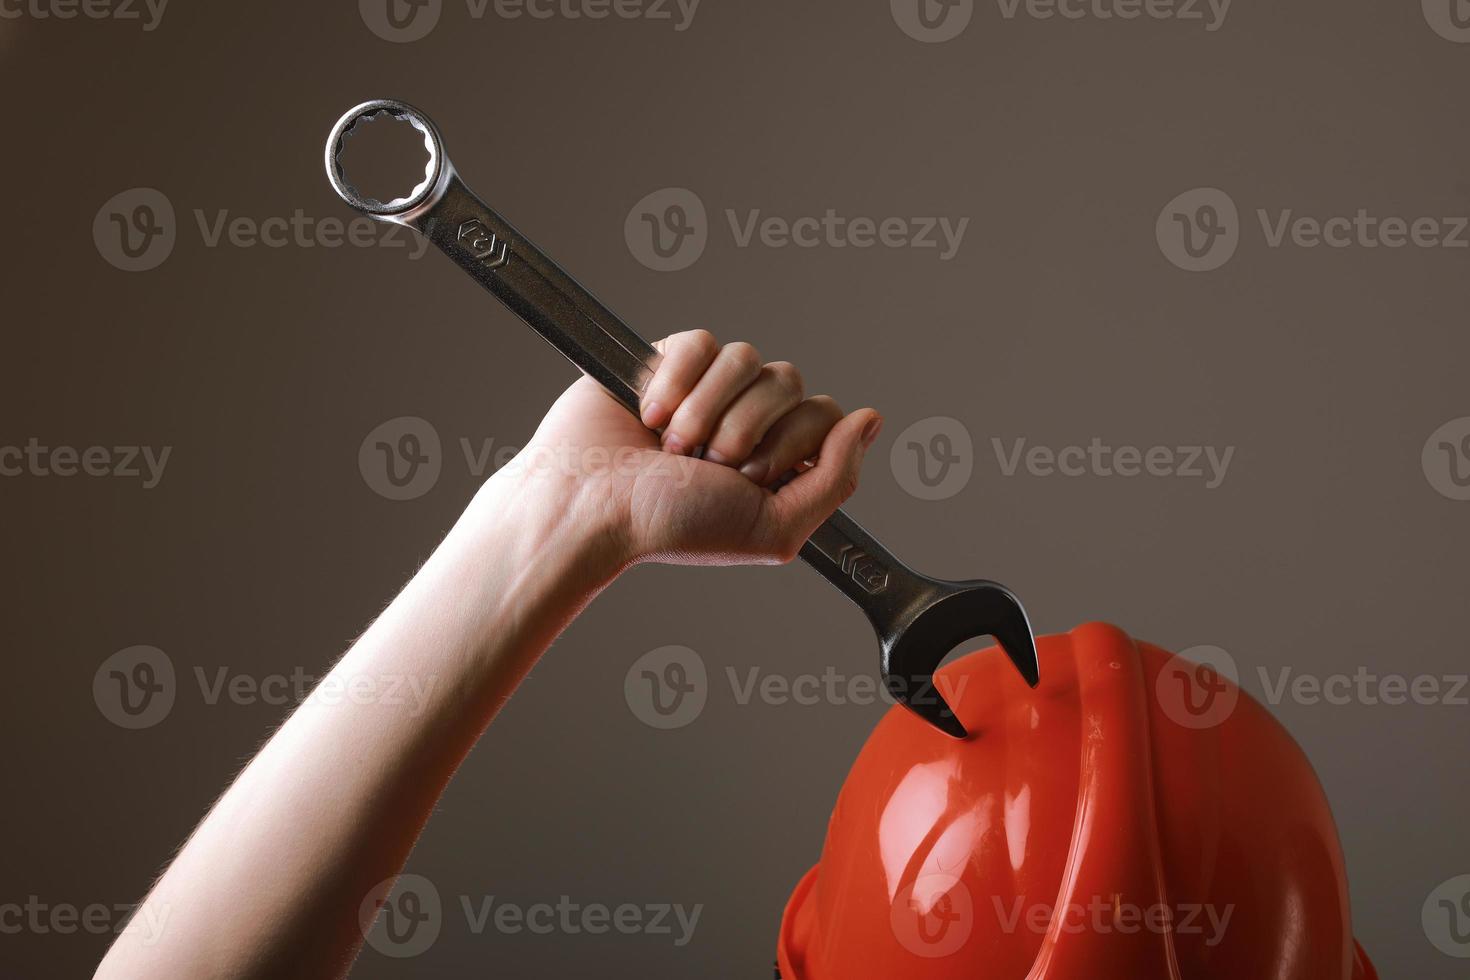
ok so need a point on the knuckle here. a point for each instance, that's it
(788, 378)
(700, 342)
(744, 356)
(827, 405)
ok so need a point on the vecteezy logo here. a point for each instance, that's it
(932, 21)
(400, 21)
(934, 916)
(135, 230)
(491, 252)
(402, 916)
(934, 458)
(667, 230)
(1199, 230)
(134, 688)
(1450, 19)
(667, 688)
(1446, 917)
(401, 458)
(1446, 459)
(1198, 688)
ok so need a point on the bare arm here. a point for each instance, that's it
(272, 881)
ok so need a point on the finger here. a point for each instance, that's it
(735, 367)
(795, 437)
(799, 507)
(686, 357)
(775, 392)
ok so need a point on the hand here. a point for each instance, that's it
(775, 463)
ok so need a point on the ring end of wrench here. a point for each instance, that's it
(436, 172)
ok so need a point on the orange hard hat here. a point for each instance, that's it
(1136, 816)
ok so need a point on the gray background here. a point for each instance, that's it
(263, 548)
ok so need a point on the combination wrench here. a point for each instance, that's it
(918, 619)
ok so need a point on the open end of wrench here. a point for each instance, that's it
(959, 611)
(363, 115)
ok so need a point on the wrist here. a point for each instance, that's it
(553, 519)
(515, 569)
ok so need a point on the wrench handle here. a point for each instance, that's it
(539, 291)
(592, 337)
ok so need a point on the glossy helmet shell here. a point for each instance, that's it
(1135, 816)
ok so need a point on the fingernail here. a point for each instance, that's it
(870, 431)
(673, 444)
(754, 471)
(715, 457)
(653, 415)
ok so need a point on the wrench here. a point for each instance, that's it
(918, 619)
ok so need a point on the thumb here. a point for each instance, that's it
(801, 505)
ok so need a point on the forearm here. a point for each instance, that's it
(271, 882)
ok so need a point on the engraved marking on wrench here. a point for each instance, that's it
(483, 244)
(864, 569)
